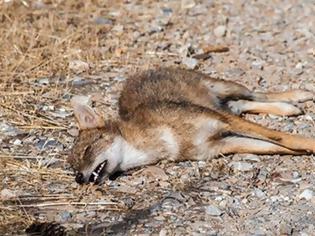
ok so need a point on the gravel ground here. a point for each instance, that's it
(51, 50)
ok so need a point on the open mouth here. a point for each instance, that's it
(98, 173)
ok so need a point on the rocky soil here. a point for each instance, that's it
(52, 50)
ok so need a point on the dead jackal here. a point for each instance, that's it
(177, 114)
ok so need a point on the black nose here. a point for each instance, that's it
(79, 178)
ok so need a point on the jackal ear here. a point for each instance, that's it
(85, 115)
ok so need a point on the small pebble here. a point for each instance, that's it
(259, 193)
(303, 234)
(163, 232)
(259, 232)
(241, 166)
(129, 202)
(119, 78)
(220, 31)
(237, 72)
(299, 66)
(154, 173)
(17, 142)
(167, 11)
(251, 158)
(8, 130)
(60, 113)
(191, 63)
(308, 117)
(186, 4)
(79, 81)
(285, 229)
(78, 66)
(65, 216)
(307, 194)
(103, 21)
(43, 81)
(74, 132)
(213, 210)
(296, 175)
(258, 65)
(48, 108)
(311, 51)
(118, 29)
(7, 194)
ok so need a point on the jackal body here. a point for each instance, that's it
(177, 114)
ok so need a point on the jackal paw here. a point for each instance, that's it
(235, 107)
(302, 96)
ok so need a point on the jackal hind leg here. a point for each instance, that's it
(291, 96)
(239, 99)
(275, 108)
(234, 144)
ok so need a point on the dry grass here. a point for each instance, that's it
(40, 43)
(38, 40)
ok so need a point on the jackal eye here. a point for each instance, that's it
(87, 152)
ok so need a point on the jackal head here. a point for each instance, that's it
(95, 153)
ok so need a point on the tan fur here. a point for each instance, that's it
(178, 114)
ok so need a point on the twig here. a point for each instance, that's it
(215, 48)
(24, 211)
(222, 155)
(24, 198)
(69, 203)
(19, 156)
(3, 94)
(48, 195)
(41, 127)
(162, 53)
(31, 116)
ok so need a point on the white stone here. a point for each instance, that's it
(7, 194)
(258, 65)
(213, 210)
(299, 66)
(191, 63)
(118, 28)
(78, 66)
(17, 142)
(296, 175)
(251, 158)
(259, 193)
(220, 31)
(186, 4)
(163, 232)
(241, 165)
(307, 194)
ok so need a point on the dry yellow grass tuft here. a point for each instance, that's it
(38, 41)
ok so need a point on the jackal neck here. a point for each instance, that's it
(123, 155)
(112, 126)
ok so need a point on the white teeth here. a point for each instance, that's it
(95, 174)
